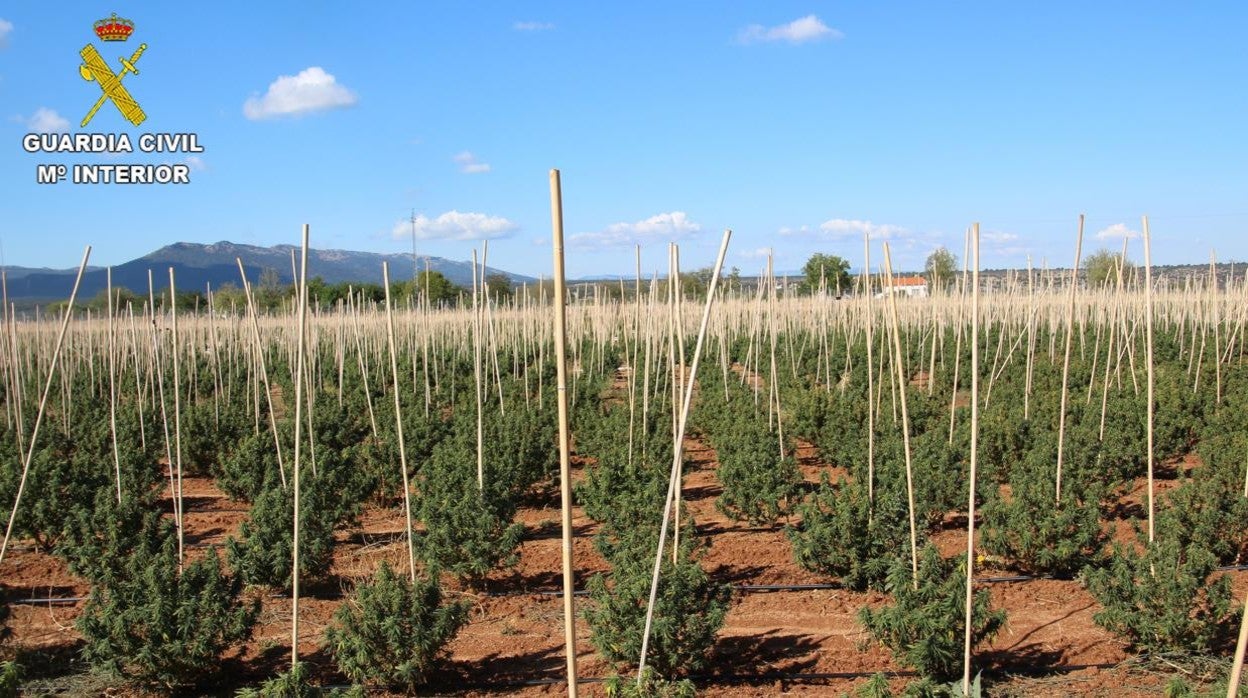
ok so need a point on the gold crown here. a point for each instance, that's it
(114, 28)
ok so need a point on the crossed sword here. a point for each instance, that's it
(95, 68)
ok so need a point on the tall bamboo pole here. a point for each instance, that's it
(970, 516)
(905, 415)
(1070, 335)
(1148, 340)
(112, 384)
(43, 401)
(565, 468)
(476, 373)
(264, 370)
(398, 424)
(679, 453)
(869, 314)
(177, 412)
(300, 316)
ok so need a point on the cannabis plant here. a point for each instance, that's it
(392, 631)
(758, 485)
(843, 535)
(1164, 599)
(1038, 532)
(468, 526)
(160, 625)
(924, 626)
(688, 614)
(651, 685)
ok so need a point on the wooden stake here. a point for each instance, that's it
(112, 384)
(970, 507)
(398, 424)
(43, 401)
(300, 316)
(905, 416)
(565, 468)
(177, 410)
(264, 371)
(1148, 348)
(679, 454)
(1070, 335)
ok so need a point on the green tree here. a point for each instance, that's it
(440, 289)
(1102, 267)
(832, 270)
(498, 286)
(940, 267)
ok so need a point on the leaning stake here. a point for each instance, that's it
(565, 468)
(43, 401)
(679, 452)
(398, 424)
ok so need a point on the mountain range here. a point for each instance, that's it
(196, 265)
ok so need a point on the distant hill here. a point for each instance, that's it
(197, 265)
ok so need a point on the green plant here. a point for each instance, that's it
(392, 632)
(468, 527)
(924, 626)
(758, 485)
(264, 553)
(842, 535)
(11, 675)
(1209, 511)
(875, 687)
(160, 625)
(1038, 532)
(295, 684)
(1164, 599)
(651, 685)
(689, 608)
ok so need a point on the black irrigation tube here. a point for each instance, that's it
(712, 679)
(743, 588)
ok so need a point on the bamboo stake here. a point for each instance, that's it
(1237, 668)
(1070, 334)
(970, 516)
(112, 384)
(264, 370)
(398, 424)
(177, 410)
(679, 453)
(476, 373)
(1148, 348)
(301, 315)
(43, 401)
(905, 416)
(565, 468)
(869, 314)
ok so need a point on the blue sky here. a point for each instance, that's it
(798, 125)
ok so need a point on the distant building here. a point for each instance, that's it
(912, 286)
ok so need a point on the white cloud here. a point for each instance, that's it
(292, 95)
(799, 31)
(844, 229)
(468, 163)
(1117, 231)
(664, 226)
(532, 26)
(1002, 243)
(196, 163)
(454, 225)
(6, 27)
(46, 120)
(757, 253)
